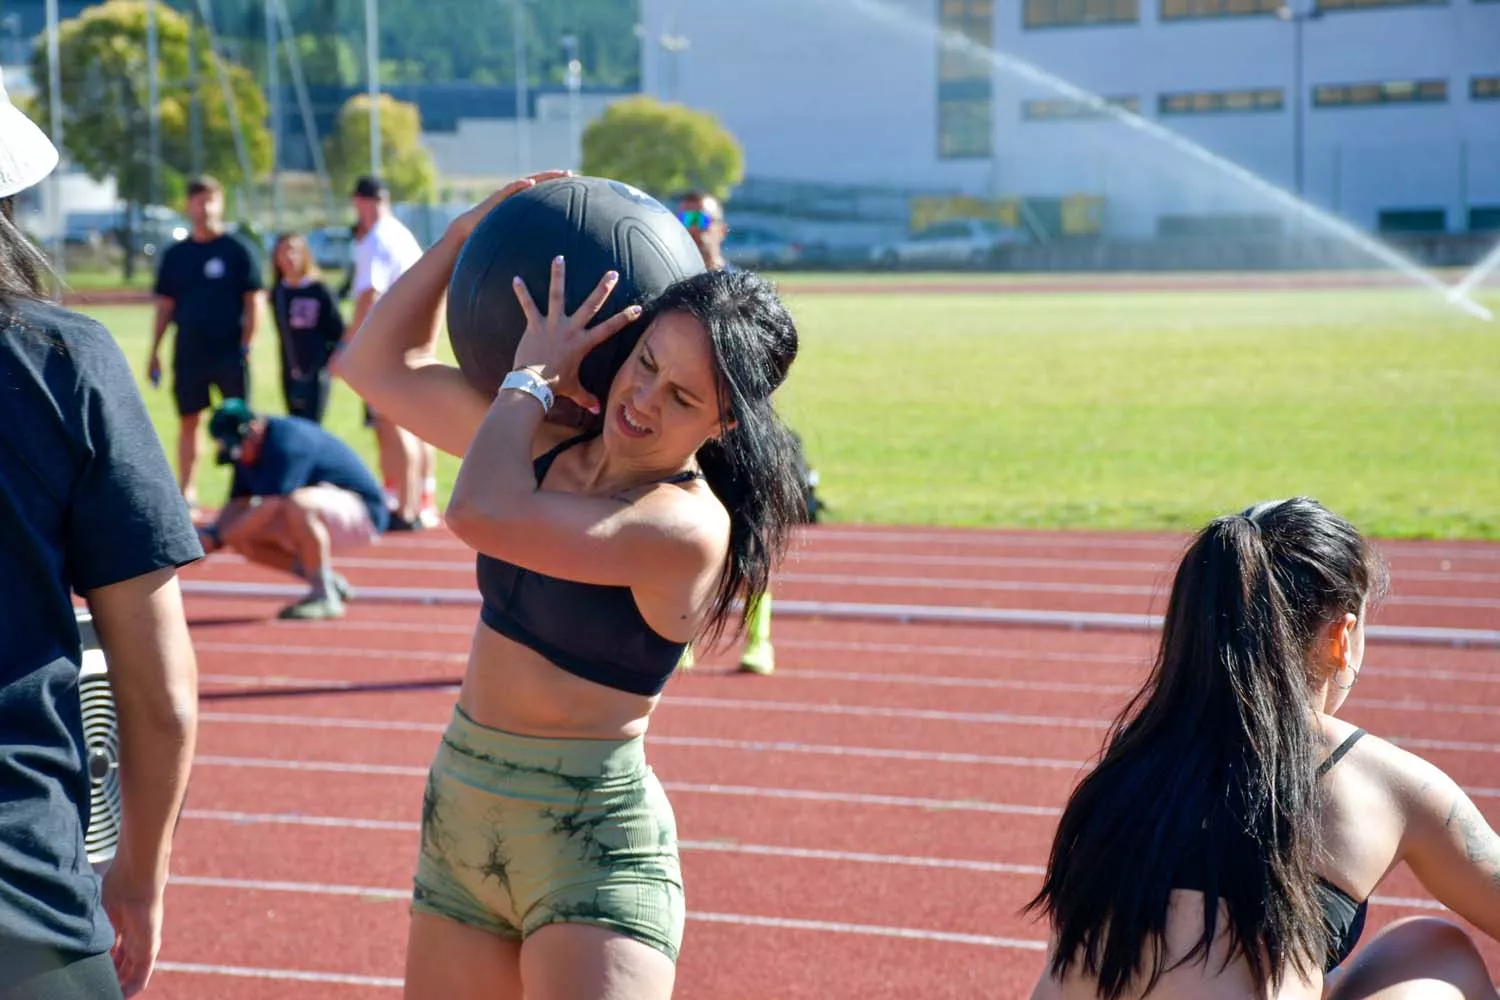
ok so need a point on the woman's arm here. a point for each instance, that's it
(153, 675)
(391, 359)
(1449, 845)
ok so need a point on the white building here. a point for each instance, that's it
(1400, 102)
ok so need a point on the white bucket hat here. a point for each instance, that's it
(27, 156)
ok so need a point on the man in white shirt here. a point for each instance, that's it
(387, 249)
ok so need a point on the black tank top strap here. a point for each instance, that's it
(542, 463)
(1339, 751)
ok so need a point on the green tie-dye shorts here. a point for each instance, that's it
(519, 832)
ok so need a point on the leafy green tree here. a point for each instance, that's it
(106, 114)
(405, 164)
(663, 148)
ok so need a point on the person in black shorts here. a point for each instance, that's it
(208, 286)
(88, 506)
(299, 496)
(309, 324)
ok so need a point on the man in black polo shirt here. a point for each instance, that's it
(299, 495)
(208, 285)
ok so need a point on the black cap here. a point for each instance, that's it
(369, 187)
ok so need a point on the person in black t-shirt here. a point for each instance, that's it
(88, 505)
(309, 323)
(208, 285)
(299, 495)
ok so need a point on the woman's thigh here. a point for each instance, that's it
(585, 962)
(1420, 958)
(447, 960)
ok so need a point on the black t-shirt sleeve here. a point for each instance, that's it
(126, 517)
(252, 281)
(166, 274)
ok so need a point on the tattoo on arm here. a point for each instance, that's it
(1481, 844)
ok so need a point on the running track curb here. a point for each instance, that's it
(835, 610)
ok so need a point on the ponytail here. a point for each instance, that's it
(1214, 759)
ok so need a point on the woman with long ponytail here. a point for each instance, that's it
(548, 863)
(1228, 840)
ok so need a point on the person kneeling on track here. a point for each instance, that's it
(299, 495)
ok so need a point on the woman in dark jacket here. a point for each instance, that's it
(310, 325)
(88, 505)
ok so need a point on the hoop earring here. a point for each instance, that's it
(1350, 685)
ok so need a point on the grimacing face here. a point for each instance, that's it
(664, 401)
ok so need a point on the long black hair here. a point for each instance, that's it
(752, 466)
(23, 269)
(1214, 758)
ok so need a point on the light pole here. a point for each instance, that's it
(575, 83)
(673, 46)
(1298, 19)
(372, 58)
(523, 134)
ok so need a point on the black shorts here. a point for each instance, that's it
(57, 976)
(191, 385)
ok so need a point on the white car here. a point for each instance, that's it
(954, 243)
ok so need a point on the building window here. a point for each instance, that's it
(1063, 109)
(1357, 4)
(1214, 102)
(1412, 220)
(1181, 10)
(965, 80)
(1068, 13)
(1484, 219)
(1484, 88)
(1356, 95)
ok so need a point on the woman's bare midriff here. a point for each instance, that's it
(512, 688)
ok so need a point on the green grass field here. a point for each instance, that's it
(1130, 411)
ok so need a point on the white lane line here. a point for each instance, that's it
(885, 712)
(1162, 568)
(335, 721)
(397, 895)
(700, 742)
(236, 818)
(284, 975)
(709, 846)
(1171, 548)
(682, 787)
(978, 653)
(741, 919)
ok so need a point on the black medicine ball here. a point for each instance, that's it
(596, 225)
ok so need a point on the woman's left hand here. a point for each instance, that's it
(555, 344)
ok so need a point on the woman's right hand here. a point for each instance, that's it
(463, 226)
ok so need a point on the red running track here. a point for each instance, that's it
(865, 823)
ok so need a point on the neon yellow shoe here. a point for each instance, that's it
(759, 657)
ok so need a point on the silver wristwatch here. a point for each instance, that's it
(531, 383)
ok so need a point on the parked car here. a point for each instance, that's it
(760, 248)
(956, 243)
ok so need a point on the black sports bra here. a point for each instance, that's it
(591, 631)
(1343, 915)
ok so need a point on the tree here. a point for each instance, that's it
(105, 111)
(405, 164)
(663, 148)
